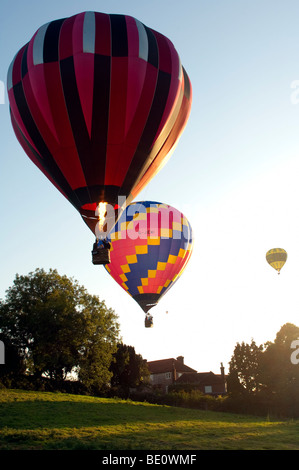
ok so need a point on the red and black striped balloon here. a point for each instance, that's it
(98, 102)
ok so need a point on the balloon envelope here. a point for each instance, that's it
(151, 246)
(276, 257)
(98, 103)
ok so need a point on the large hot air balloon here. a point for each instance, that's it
(98, 103)
(151, 246)
(276, 257)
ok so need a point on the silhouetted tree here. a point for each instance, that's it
(264, 379)
(244, 368)
(57, 327)
(128, 368)
(280, 377)
(14, 366)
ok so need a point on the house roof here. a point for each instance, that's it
(200, 378)
(167, 365)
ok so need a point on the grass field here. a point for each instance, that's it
(54, 421)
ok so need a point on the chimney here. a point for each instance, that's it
(223, 378)
(180, 359)
(174, 374)
(222, 372)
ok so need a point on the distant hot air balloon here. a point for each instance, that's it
(98, 103)
(276, 257)
(151, 246)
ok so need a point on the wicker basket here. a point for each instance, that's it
(148, 322)
(101, 256)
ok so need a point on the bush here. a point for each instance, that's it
(195, 399)
(182, 398)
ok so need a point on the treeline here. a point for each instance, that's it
(58, 337)
(263, 380)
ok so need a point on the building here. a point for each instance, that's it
(205, 382)
(165, 372)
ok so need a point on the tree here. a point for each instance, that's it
(13, 366)
(279, 375)
(264, 379)
(128, 368)
(244, 368)
(58, 327)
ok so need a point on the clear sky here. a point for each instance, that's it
(234, 174)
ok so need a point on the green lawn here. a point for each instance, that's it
(48, 421)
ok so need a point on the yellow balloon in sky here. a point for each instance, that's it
(276, 257)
